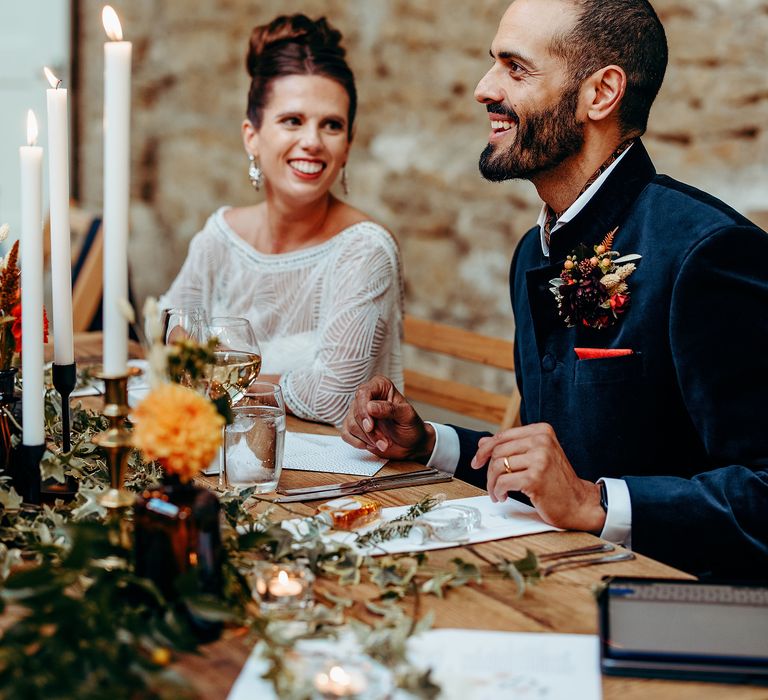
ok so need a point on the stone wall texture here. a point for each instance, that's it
(419, 131)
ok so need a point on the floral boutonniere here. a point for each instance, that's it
(592, 290)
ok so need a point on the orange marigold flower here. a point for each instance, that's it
(178, 428)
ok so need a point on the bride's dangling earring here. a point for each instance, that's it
(344, 183)
(254, 173)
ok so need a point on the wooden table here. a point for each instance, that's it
(563, 602)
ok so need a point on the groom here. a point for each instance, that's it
(642, 392)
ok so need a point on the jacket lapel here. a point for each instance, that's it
(608, 208)
(543, 305)
(604, 212)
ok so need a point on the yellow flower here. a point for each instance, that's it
(177, 428)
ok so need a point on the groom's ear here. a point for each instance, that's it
(603, 91)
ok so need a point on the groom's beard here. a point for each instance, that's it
(544, 139)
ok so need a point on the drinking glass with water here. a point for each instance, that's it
(255, 439)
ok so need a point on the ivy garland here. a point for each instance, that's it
(83, 625)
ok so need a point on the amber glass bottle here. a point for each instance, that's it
(178, 544)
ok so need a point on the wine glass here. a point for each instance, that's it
(181, 323)
(237, 362)
(237, 357)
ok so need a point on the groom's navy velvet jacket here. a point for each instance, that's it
(683, 419)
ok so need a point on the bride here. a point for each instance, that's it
(319, 281)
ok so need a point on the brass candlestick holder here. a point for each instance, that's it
(116, 440)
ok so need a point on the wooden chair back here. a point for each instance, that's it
(87, 275)
(465, 399)
(87, 244)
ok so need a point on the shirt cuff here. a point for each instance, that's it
(618, 519)
(445, 455)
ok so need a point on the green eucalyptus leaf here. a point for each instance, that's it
(91, 505)
(465, 572)
(10, 500)
(418, 684)
(51, 467)
(338, 600)
(435, 584)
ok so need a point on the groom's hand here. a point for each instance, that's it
(530, 459)
(381, 421)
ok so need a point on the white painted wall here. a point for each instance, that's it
(33, 33)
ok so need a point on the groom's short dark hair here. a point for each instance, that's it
(626, 33)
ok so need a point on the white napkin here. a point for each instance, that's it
(328, 453)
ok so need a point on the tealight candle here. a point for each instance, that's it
(339, 682)
(282, 588)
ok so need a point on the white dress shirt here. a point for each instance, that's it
(445, 456)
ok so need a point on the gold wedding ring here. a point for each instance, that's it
(507, 468)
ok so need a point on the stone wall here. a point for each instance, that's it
(419, 132)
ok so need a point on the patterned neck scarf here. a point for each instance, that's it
(553, 216)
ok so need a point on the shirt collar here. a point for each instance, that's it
(571, 212)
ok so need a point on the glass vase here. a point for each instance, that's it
(177, 544)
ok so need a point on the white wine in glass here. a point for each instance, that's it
(233, 372)
(237, 357)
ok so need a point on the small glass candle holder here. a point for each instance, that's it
(354, 677)
(282, 589)
(448, 523)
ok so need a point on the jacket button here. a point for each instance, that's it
(548, 362)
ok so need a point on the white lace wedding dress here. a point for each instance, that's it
(327, 318)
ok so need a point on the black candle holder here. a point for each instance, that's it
(26, 473)
(64, 381)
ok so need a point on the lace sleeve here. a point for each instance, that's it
(359, 333)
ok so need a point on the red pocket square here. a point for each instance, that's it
(598, 353)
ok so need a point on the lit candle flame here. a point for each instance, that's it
(338, 675)
(282, 578)
(52, 79)
(31, 128)
(111, 23)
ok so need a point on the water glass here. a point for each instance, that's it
(255, 439)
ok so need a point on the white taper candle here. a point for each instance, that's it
(31, 158)
(117, 117)
(58, 187)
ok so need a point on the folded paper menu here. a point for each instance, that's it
(328, 453)
(472, 665)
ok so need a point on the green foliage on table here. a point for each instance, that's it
(87, 627)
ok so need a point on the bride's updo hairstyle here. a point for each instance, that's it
(295, 45)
